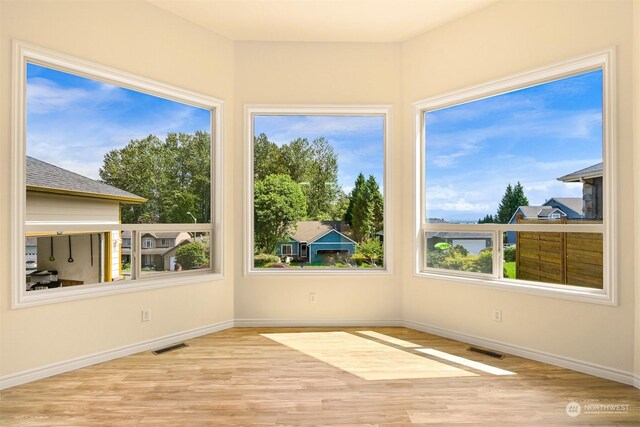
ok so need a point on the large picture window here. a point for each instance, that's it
(515, 182)
(115, 180)
(318, 189)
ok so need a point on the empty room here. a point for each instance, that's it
(319, 212)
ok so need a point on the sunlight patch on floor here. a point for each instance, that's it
(367, 359)
(466, 362)
(389, 339)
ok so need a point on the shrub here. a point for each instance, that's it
(357, 259)
(510, 254)
(261, 260)
(191, 255)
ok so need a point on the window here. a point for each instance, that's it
(109, 168)
(516, 185)
(317, 189)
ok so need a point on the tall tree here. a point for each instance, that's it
(513, 198)
(365, 211)
(174, 175)
(323, 180)
(278, 205)
(296, 159)
(267, 159)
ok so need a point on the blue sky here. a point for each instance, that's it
(357, 140)
(533, 135)
(73, 121)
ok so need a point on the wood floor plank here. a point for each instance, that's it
(240, 377)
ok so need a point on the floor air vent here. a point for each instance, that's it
(487, 352)
(170, 348)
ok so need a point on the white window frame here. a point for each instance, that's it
(147, 243)
(316, 110)
(604, 60)
(24, 53)
(282, 252)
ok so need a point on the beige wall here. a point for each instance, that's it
(141, 39)
(495, 42)
(311, 74)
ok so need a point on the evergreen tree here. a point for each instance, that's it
(488, 219)
(513, 198)
(366, 209)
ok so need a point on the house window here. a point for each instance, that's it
(118, 172)
(318, 175)
(499, 161)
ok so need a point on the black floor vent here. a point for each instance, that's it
(170, 348)
(487, 352)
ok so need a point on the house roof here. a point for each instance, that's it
(573, 203)
(45, 177)
(535, 212)
(309, 231)
(158, 235)
(593, 171)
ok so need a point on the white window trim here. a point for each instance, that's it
(326, 110)
(609, 294)
(25, 52)
(147, 243)
(282, 249)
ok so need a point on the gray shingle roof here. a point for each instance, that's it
(44, 175)
(573, 203)
(308, 231)
(590, 172)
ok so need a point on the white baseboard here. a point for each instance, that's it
(552, 359)
(294, 323)
(92, 359)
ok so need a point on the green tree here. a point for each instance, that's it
(267, 159)
(513, 198)
(488, 219)
(323, 180)
(296, 159)
(278, 205)
(173, 175)
(366, 208)
(191, 255)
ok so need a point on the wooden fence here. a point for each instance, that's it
(565, 258)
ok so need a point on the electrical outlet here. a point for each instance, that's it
(146, 315)
(497, 315)
(312, 297)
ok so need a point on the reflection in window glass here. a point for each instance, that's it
(460, 251)
(187, 251)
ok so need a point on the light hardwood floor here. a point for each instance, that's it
(318, 376)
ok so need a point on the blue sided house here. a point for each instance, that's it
(318, 242)
(553, 209)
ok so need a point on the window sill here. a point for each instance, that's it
(57, 295)
(572, 293)
(309, 271)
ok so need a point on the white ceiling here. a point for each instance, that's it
(320, 20)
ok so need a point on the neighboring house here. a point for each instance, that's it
(317, 241)
(56, 195)
(472, 242)
(553, 209)
(591, 179)
(157, 249)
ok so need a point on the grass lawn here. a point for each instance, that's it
(510, 270)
